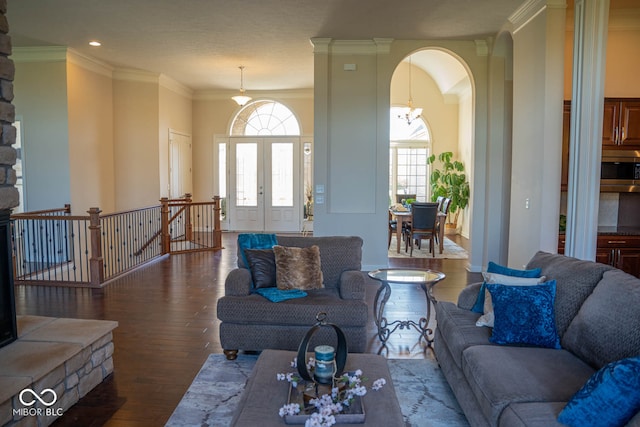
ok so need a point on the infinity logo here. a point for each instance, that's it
(34, 394)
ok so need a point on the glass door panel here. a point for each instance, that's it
(282, 174)
(247, 174)
(283, 193)
(247, 186)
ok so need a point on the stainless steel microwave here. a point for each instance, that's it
(620, 171)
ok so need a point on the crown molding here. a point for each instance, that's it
(320, 44)
(525, 13)
(89, 63)
(225, 94)
(134, 75)
(351, 47)
(175, 86)
(60, 54)
(39, 54)
(482, 47)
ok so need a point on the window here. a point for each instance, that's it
(18, 167)
(265, 118)
(408, 171)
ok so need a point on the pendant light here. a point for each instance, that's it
(241, 99)
(409, 113)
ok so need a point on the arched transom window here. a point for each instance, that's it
(264, 117)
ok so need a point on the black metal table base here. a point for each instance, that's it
(386, 328)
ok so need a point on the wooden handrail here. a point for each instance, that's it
(31, 215)
(67, 209)
(111, 241)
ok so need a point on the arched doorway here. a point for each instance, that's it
(262, 174)
(441, 86)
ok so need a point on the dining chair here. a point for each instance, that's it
(423, 226)
(444, 209)
(393, 227)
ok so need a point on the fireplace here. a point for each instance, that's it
(8, 331)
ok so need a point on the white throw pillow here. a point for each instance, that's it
(488, 317)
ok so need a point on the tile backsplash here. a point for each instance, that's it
(608, 209)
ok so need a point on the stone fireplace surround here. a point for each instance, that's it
(68, 356)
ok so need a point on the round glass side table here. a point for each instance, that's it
(427, 279)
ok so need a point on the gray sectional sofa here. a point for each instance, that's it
(597, 311)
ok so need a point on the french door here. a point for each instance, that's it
(264, 191)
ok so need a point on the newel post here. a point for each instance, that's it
(165, 237)
(96, 262)
(188, 226)
(217, 232)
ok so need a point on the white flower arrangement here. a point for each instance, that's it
(345, 389)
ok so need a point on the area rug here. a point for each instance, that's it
(450, 250)
(426, 400)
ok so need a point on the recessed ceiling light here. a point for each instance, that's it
(95, 43)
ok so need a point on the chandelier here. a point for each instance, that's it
(410, 113)
(242, 98)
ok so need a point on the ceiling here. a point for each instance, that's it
(201, 43)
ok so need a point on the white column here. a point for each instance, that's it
(589, 52)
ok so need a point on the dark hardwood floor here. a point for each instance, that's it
(166, 313)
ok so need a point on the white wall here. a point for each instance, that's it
(40, 90)
(538, 60)
(91, 161)
(137, 158)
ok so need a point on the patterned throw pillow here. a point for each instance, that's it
(298, 268)
(611, 397)
(524, 315)
(487, 319)
(492, 267)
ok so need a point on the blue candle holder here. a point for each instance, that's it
(325, 364)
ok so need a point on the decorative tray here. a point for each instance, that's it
(353, 414)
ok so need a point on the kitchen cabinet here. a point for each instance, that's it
(619, 251)
(622, 252)
(621, 124)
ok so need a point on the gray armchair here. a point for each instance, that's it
(251, 322)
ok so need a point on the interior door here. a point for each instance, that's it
(264, 184)
(180, 178)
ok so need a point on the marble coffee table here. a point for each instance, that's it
(264, 394)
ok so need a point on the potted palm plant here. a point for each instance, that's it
(449, 180)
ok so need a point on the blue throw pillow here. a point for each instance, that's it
(492, 267)
(611, 397)
(524, 315)
(255, 241)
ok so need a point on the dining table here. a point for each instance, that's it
(405, 216)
